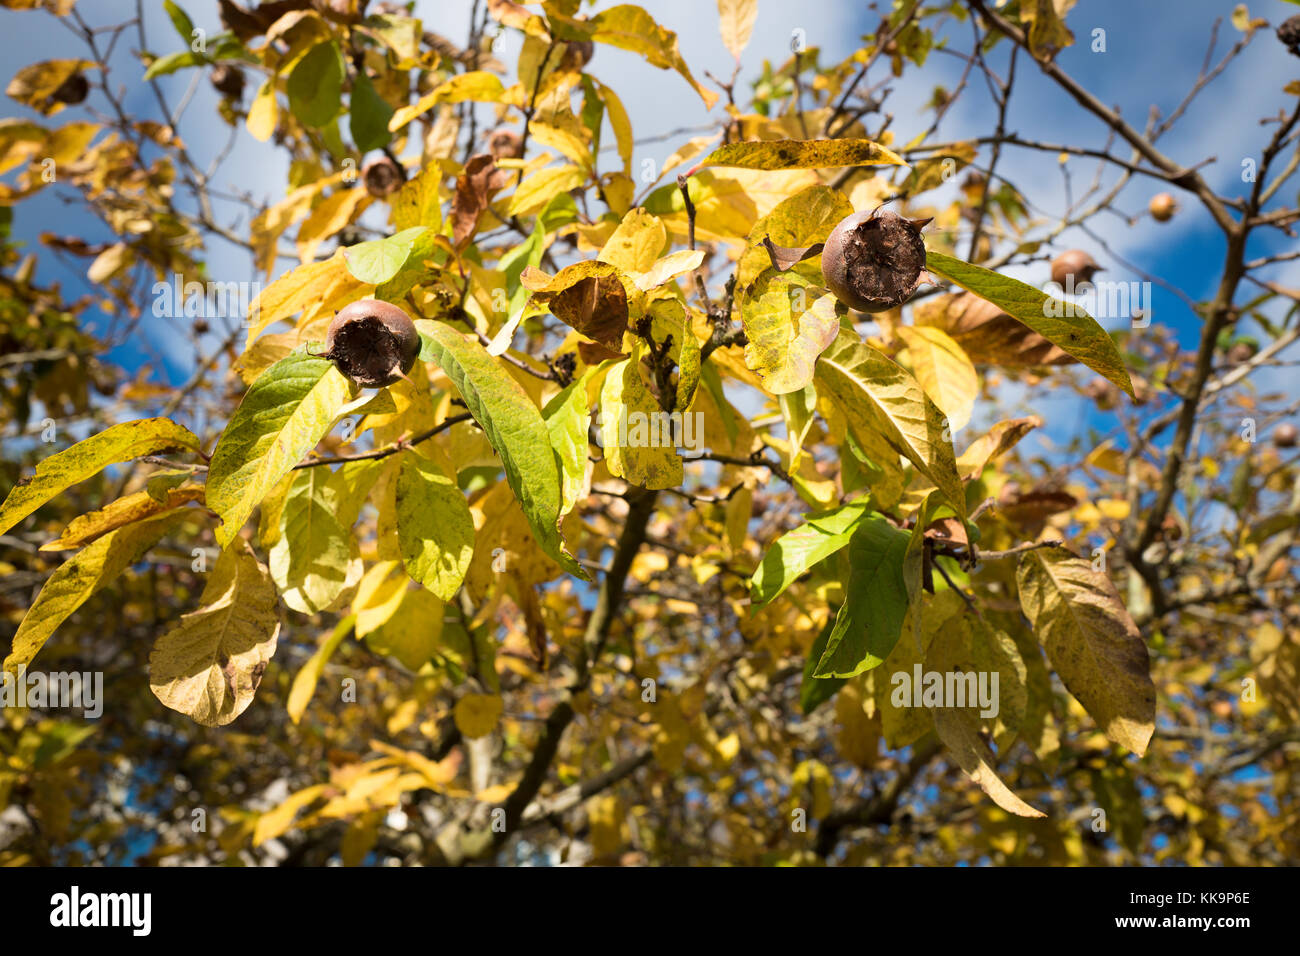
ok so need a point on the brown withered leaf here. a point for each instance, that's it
(597, 307)
(248, 23)
(593, 353)
(1030, 509)
(472, 188)
(590, 297)
(784, 258)
(987, 334)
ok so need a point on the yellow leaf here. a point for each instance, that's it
(789, 322)
(305, 681)
(477, 85)
(636, 243)
(803, 154)
(541, 187)
(122, 442)
(210, 664)
(412, 631)
(636, 432)
(333, 213)
(277, 821)
(75, 581)
(1091, 641)
(476, 715)
(737, 22)
(944, 371)
(630, 28)
(877, 396)
(264, 113)
(315, 558)
(124, 511)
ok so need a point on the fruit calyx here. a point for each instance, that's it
(374, 343)
(874, 261)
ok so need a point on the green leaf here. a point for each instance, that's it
(797, 551)
(802, 154)
(878, 396)
(379, 260)
(311, 559)
(368, 119)
(568, 420)
(1071, 329)
(815, 691)
(210, 664)
(513, 426)
(122, 442)
(435, 532)
(305, 681)
(173, 62)
(316, 85)
(870, 620)
(801, 221)
(76, 580)
(284, 414)
(789, 321)
(180, 20)
(1091, 641)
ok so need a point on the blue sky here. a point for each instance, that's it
(1153, 52)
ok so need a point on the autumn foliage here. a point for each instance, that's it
(540, 507)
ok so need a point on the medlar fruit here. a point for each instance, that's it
(1162, 207)
(1285, 436)
(505, 144)
(1242, 351)
(228, 80)
(382, 176)
(1289, 33)
(373, 343)
(73, 90)
(873, 261)
(1073, 268)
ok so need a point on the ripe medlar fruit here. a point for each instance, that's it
(73, 90)
(382, 176)
(505, 144)
(373, 343)
(1242, 351)
(577, 54)
(228, 80)
(1162, 207)
(1076, 263)
(1285, 435)
(873, 261)
(1289, 33)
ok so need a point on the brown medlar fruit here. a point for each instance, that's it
(1285, 436)
(505, 144)
(1241, 352)
(1289, 33)
(1162, 207)
(373, 343)
(1073, 268)
(577, 54)
(382, 176)
(873, 261)
(73, 90)
(228, 80)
